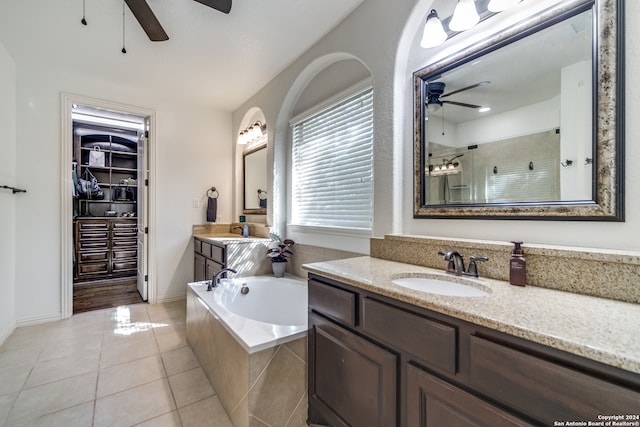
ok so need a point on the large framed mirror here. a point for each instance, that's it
(551, 144)
(255, 180)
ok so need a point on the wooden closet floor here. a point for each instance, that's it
(88, 297)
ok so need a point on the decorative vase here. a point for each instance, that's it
(279, 268)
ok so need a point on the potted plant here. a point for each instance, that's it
(279, 254)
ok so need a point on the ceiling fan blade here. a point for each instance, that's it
(466, 88)
(462, 104)
(223, 6)
(147, 20)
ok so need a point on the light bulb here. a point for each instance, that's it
(500, 5)
(433, 34)
(464, 16)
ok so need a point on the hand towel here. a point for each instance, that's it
(212, 209)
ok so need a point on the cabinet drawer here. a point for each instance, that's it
(89, 226)
(125, 253)
(125, 225)
(542, 389)
(130, 265)
(84, 245)
(333, 302)
(125, 233)
(93, 256)
(94, 234)
(217, 254)
(205, 249)
(429, 341)
(124, 243)
(93, 268)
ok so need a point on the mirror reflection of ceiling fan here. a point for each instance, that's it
(151, 25)
(435, 93)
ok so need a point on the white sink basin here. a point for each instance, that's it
(440, 287)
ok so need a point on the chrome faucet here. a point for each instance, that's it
(216, 278)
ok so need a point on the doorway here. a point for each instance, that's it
(108, 211)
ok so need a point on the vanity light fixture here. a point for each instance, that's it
(464, 16)
(433, 34)
(252, 132)
(500, 5)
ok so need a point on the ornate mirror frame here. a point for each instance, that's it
(608, 119)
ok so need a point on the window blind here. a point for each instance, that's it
(332, 165)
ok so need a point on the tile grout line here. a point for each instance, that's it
(164, 368)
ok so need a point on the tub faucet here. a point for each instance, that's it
(456, 263)
(216, 278)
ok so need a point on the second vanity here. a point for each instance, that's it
(385, 355)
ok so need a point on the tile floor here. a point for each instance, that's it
(126, 366)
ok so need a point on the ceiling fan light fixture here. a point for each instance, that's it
(500, 5)
(464, 16)
(433, 107)
(434, 34)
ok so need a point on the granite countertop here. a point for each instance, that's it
(225, 238)
(600, 329)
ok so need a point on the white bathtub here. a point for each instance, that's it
(273, 312)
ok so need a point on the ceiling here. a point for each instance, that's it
(210, 58)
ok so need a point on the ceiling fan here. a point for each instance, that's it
(435, 93)
(151, 25)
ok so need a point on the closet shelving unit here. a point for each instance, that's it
(105, 230)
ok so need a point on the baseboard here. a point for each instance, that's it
(36, 320)
(5, 334)
(171, 298)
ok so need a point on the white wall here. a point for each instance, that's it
(370, 35)
(7, 199)
(576, 132)
(534, 118)
(192, 153)
(374, 34)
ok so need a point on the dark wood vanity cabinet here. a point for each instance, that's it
(376, 361)
(209, 258)
(105, 248)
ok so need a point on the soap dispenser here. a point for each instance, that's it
(517, 266)
(245, 230)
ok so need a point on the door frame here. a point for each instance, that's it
(66, 218)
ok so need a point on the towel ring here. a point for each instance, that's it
(262, 193)
(213, 193)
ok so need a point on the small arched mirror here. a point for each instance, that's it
(551, 145)
(255, 180)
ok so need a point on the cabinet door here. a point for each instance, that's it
(199, 268)
(432, 402)
(211, 268)
(352, 382)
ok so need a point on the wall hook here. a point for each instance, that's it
(495, 170)
(530, 166)
(588, 161)
(567, 163)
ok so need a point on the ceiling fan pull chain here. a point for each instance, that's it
(124, 50)
(84, 21)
